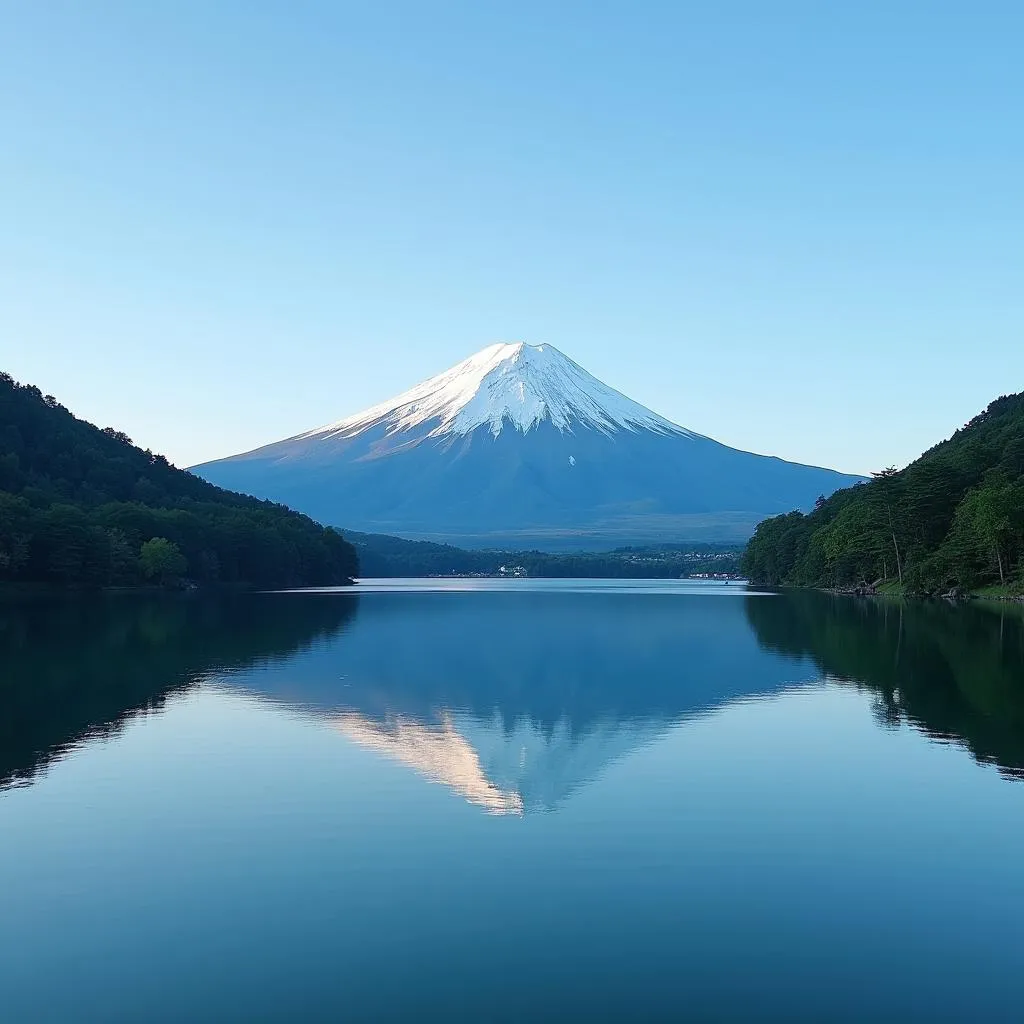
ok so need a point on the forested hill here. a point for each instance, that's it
(84, 505)
(953, 518)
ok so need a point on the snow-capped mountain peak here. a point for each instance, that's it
(520, 446)
(515, 385)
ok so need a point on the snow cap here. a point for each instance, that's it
(507, 385)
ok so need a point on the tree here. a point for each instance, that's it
(15, 535)
(62, 543)
(986, 514)
(162, 560)
(886, 489)
(121, 561)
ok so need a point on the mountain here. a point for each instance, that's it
(78, 503)
(519, 445)
(952, 518)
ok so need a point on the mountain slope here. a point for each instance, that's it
(519, 445)
(955, 517)
(77, 503)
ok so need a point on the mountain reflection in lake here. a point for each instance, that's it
(635, 800)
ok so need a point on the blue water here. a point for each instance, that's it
(460, 800)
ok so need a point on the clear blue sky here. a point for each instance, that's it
(798, 228)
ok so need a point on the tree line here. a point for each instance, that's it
(80, 505)
(953, 518)
(384, 556)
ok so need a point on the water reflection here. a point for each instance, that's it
(77, 668)
(512, 700)
(515, 700)
(289, 832)
(440, 752)
(956, 673)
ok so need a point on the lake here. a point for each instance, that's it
(510, 800)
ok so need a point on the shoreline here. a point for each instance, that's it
(40, 589)
(954, 596)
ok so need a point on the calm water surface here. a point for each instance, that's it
(529, 800)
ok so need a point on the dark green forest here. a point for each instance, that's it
(80, 505)
(384, 556)
(952, 519)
